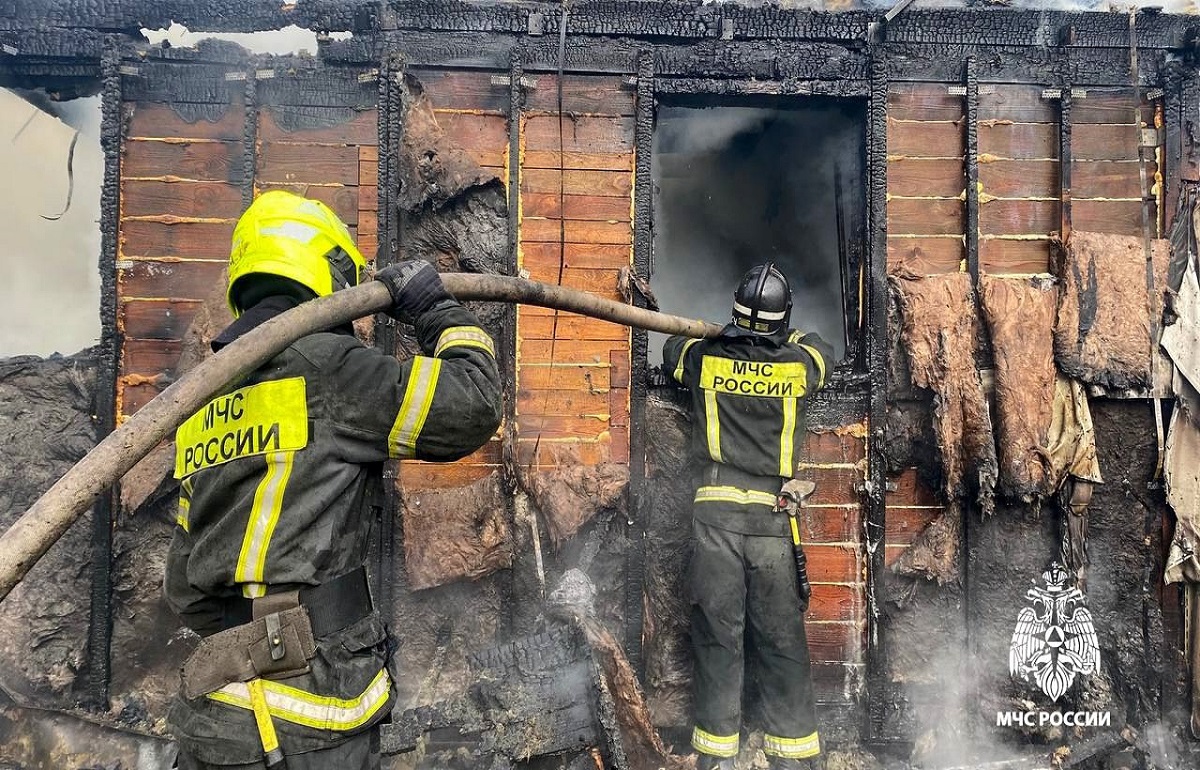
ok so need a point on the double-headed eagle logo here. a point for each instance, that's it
(1054, 639)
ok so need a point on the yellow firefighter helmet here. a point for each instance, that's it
(283, 234)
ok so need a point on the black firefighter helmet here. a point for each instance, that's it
(762, 304)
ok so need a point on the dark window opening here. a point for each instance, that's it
(763, 180)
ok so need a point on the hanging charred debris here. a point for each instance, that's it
(991, 207)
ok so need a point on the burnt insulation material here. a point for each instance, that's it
(940, 333)
(1102, 335)
(1020, 317)
(46, 426)
(568, 492)
(1125, 542)
(432, 170)
(666, 648)
(934, 554)
(149, 643)
(456, 533)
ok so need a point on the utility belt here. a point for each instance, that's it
(274, 636)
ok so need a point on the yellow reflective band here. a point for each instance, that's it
(465, 336)
(181, 516)
(794, 336)
(764, 379)
(712, 421)
(262, 716)
(418, 396)
(320, 712)
(795, 530)
(792, 748)
(723, 746)
(820, 361)
(254, 590)
(734, 495)
(683, 355)
(255, 420)
(787, 437)
(264, 515)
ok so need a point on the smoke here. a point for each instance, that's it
(737, 186)
(50, 296)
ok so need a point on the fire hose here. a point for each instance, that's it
(28, 539)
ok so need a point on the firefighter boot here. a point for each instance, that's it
(787, 763)
(709, 762)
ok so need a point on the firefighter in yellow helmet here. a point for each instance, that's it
(279, 478)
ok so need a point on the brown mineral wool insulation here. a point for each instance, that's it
(569, 493)
(940, 332)
(643, 747)
(1102, 335)
(456, 533)
(1020, 316)
(434, 169)
(934, 554)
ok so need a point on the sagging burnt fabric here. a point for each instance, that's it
(455, 534)
(940, 332)
(1020, 316)
(1102, 335)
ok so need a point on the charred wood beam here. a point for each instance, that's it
(875, 503)
(99, 642)
(389, 130)
(518, 614)
(1064, 162)
(766, 60)
(971, 96)
(688, 20)
(619, 55)
(643, 265)
(723, 87)
(1172, 155)
(940, 62)
(1190, 128)
(249, 137)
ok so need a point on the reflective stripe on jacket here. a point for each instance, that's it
(280, 472)
(749, 395)
(279, 476)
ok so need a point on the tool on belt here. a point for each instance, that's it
(273, 637)
(790, 500)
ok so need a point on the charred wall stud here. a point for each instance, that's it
(249, 136)
(389, 129)
(643, 244)
(516, 104)
(99, 641)
(878, 685)
(972, 167)
(1064, 163)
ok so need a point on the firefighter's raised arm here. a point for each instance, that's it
(441, 405)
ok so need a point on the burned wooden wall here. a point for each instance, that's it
(994, 138)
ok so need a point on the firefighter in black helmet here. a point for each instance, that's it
(749, 387)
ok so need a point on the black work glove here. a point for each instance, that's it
(415, 286)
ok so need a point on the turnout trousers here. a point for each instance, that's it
(361, 752)
(746, 620)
